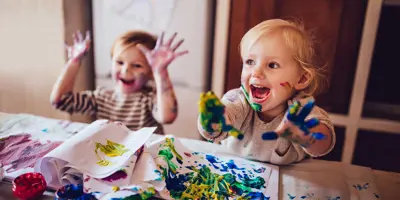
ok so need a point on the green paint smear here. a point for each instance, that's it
(150, 192)
(257, 107)
(201, 183)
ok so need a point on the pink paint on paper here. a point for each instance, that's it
(21, 152)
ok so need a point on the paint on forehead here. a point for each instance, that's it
(257, 107)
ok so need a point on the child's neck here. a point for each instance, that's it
(269, 115)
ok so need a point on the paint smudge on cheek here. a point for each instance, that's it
(287, 86)
(21, 152)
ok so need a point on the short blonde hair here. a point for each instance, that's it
(132, 38)
(297, 39)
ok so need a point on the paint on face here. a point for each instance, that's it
(201, 183)
(111, 149)
(287, 86)
(20, 152)
(212, 116)
(257, 107)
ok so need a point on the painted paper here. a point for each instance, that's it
(196, 175)
(100, 150)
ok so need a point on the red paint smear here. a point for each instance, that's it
(286, 85)
(187, 154)
(21, 152)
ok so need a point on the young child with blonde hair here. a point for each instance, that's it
(137, 58)
(279, 74)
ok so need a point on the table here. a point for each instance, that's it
(388, 183)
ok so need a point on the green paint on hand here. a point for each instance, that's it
(212, 117)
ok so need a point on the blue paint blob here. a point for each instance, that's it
(318, 136)
(269, 136)
(231, 164)
(256, 196)
(260, 170)
(290, 196)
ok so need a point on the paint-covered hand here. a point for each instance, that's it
(212, 117)
(163, 53)
(79, 48)
(294, 127)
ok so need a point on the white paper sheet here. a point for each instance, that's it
(117, 147)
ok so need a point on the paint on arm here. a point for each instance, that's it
(165, 109)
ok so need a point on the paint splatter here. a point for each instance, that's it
(111, 149)
(212, 117)
(361, 187)
(290, 196)
(257, 107)
(120, 174)
(21, 152)
(286, 85)
(201, 183)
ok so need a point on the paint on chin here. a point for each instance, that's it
(257, 107)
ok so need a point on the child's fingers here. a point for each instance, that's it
(142, 48)
(312, 123)
(305, 111)
(80, 37)
(293, 110)
(180, 53)
(176, 46)
(74, 38)
(87, 36)
(171, 40)
(160, 40)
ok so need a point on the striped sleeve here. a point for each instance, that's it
(79, 102)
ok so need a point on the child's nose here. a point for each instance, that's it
(125, 69)
(258, 72)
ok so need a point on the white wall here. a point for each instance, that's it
(31, 55)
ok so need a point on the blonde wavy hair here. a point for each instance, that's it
(297, 39)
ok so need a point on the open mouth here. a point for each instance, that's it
(259, 93)
(127, 82)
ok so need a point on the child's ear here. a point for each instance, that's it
(304, 81)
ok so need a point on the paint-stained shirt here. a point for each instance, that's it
(244, 118)
(134, 110)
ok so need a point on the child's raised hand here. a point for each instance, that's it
(294, 127)
(212, 117)
(163, 53)
(79, 47)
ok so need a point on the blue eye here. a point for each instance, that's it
(273, 65)
(250, 62)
